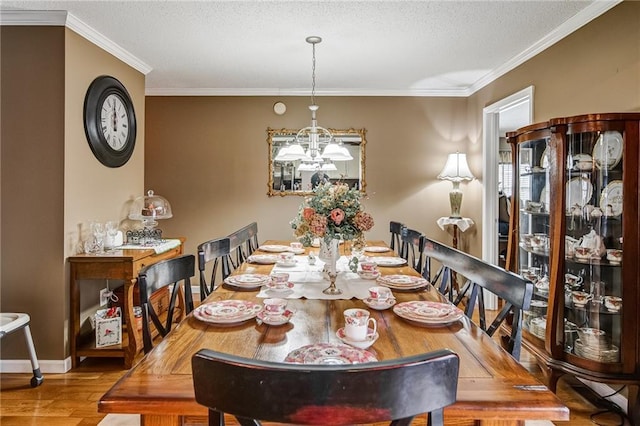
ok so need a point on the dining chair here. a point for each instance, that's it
(214, 255)
(396, 229)
(412, 248)
(515, 291)
(174, 274)
(395, 390)
(243, 243)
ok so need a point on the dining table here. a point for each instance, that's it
(493, 387)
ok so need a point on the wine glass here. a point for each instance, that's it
(112, 232)
(99, 232)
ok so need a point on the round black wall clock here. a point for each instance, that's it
(109, 121)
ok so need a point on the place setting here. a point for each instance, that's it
(428, 313)
(247, 281)
(227, 311)
(274, 312)
(263, 259)
(279, 283)
(380, 298)
(368, 270)
(402, 282)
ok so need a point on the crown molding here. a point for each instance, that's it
(190, 91)
(577, 21)
(63, 18)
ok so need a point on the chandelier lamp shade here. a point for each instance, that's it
(456, 170)
(321, 147)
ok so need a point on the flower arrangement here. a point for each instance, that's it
(334, 211)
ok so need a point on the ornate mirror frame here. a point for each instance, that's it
(354, 139)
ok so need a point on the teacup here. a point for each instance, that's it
(280, 279)
(580, 298)
(380, 294)
(369, 267)
(356, 324)
(613, 303)
(583, 252)
(614, 256)
(286, 257)
(275, 306)
(296, 245)
(572, 280)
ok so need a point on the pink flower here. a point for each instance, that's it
(307, 213)
(337, 215)
(363, 221)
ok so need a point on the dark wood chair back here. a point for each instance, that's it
(412, 248)
(243, 243)
(515, 291)
(214, 256)
(253, 390)
(396, 230)
(176, 272)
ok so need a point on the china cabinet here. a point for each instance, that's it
(574, 233)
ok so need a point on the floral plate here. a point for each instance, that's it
(227, 311)
(329, 353)
(388, 261)
(263, 259)
(402, 282)
(274, 248)
(428, 313)
(247, 280)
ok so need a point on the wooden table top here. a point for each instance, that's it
(493, 387)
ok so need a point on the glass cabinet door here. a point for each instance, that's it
(593, 244)
(533, 191)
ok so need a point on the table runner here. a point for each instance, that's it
(308, 281)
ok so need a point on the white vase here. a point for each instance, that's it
(329, 254)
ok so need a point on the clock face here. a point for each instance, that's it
(115, 122)
(109, 121)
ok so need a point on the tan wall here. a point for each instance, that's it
(52, 185)
(32, 269)
(92, 190)
(208, 156)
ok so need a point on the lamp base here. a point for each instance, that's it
(455, 199)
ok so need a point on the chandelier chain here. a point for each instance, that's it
(313, 75)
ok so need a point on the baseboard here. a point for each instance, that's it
(24, 366)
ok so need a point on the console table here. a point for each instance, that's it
(112, 265)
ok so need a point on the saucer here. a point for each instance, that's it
(364, 344)
(379, 305)
(297, 251)
(274, 319)
(294, 262)
(369, 275)
(272, 287)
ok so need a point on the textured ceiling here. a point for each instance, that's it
(422, 48)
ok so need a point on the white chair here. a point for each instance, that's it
(10, 322)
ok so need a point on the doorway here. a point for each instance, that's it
(507, 114)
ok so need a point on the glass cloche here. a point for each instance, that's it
(149, 208)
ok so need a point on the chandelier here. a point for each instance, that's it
(321, 148)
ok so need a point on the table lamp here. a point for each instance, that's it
(456, 170)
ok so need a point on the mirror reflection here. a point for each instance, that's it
(298, 163)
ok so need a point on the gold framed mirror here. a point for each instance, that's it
(299, 177)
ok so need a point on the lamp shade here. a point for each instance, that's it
(456, 169)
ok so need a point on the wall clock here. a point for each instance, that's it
(109, 121)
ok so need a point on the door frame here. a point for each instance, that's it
(490, 146)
